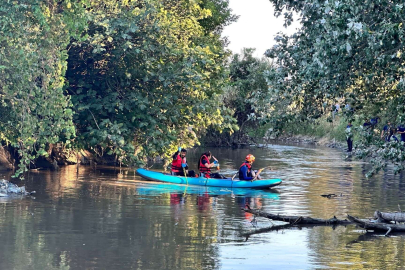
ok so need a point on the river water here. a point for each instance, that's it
(112, 219)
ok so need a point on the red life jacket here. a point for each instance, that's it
(247, 164)
(249, 172)
(176, 164)
(202, 168)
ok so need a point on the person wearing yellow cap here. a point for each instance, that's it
(245, 170)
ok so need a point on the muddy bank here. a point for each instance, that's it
(7, 157)
(59, 156)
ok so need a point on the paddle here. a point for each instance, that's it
(185, 175)
(259, 171)
(233, 177)
(257, 174)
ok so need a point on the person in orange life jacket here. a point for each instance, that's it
(179, 164)
(245, 170)
(204, 166)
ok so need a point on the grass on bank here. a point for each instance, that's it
(320, 128)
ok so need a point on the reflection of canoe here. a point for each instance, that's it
(159, 189)
(201, 181)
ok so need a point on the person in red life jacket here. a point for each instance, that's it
(179, 164)
(245, 170)
(204, 166)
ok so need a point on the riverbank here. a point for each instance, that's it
(314, 140)
(60, 157)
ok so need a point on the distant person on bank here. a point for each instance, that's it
(205, 166)
(179, 164)
(401, 131)
(349, 137)
(374, 121)
(245, 170)
(388, 132)
(367, 124)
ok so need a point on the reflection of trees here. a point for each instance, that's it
(361, 197)
(346, 250)
(92, 224)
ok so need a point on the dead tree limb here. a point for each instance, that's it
(377, 226)
(389, 216)
(268, 229)
(285, 226)
(382, 223)
(294, 220)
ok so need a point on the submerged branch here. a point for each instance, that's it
(294, 220)
(388, 216)
(377, 226)
(382, 223)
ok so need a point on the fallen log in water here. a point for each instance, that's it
(377, 226)
(299, 219)
(382, 223)
(387, 217)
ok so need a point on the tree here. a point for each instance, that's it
(221, 16)
(245, 88)
(141, 76)
(146, 80)
(351, 49)
(33, 56)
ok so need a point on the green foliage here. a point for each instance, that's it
(350, 51)
(141, 76)
(221, 15)
(339, 51)
(146, 80)
(33, 57)
(321, 128)
(246, 86)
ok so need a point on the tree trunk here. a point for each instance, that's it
(299, 219)
(7, 158)
(387, 217)
(377, 226)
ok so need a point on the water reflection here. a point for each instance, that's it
(113, 219)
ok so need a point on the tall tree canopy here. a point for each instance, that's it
(344, 48)
(246, 87)
(128, 78)
(34, 111)
(351, 49)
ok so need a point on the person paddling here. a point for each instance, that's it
(204, 166)
(245, 171)
(179, 164)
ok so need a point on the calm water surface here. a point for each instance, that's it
(107, 219)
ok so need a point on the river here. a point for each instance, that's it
(112, 219)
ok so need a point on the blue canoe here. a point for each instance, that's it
(210, 182)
